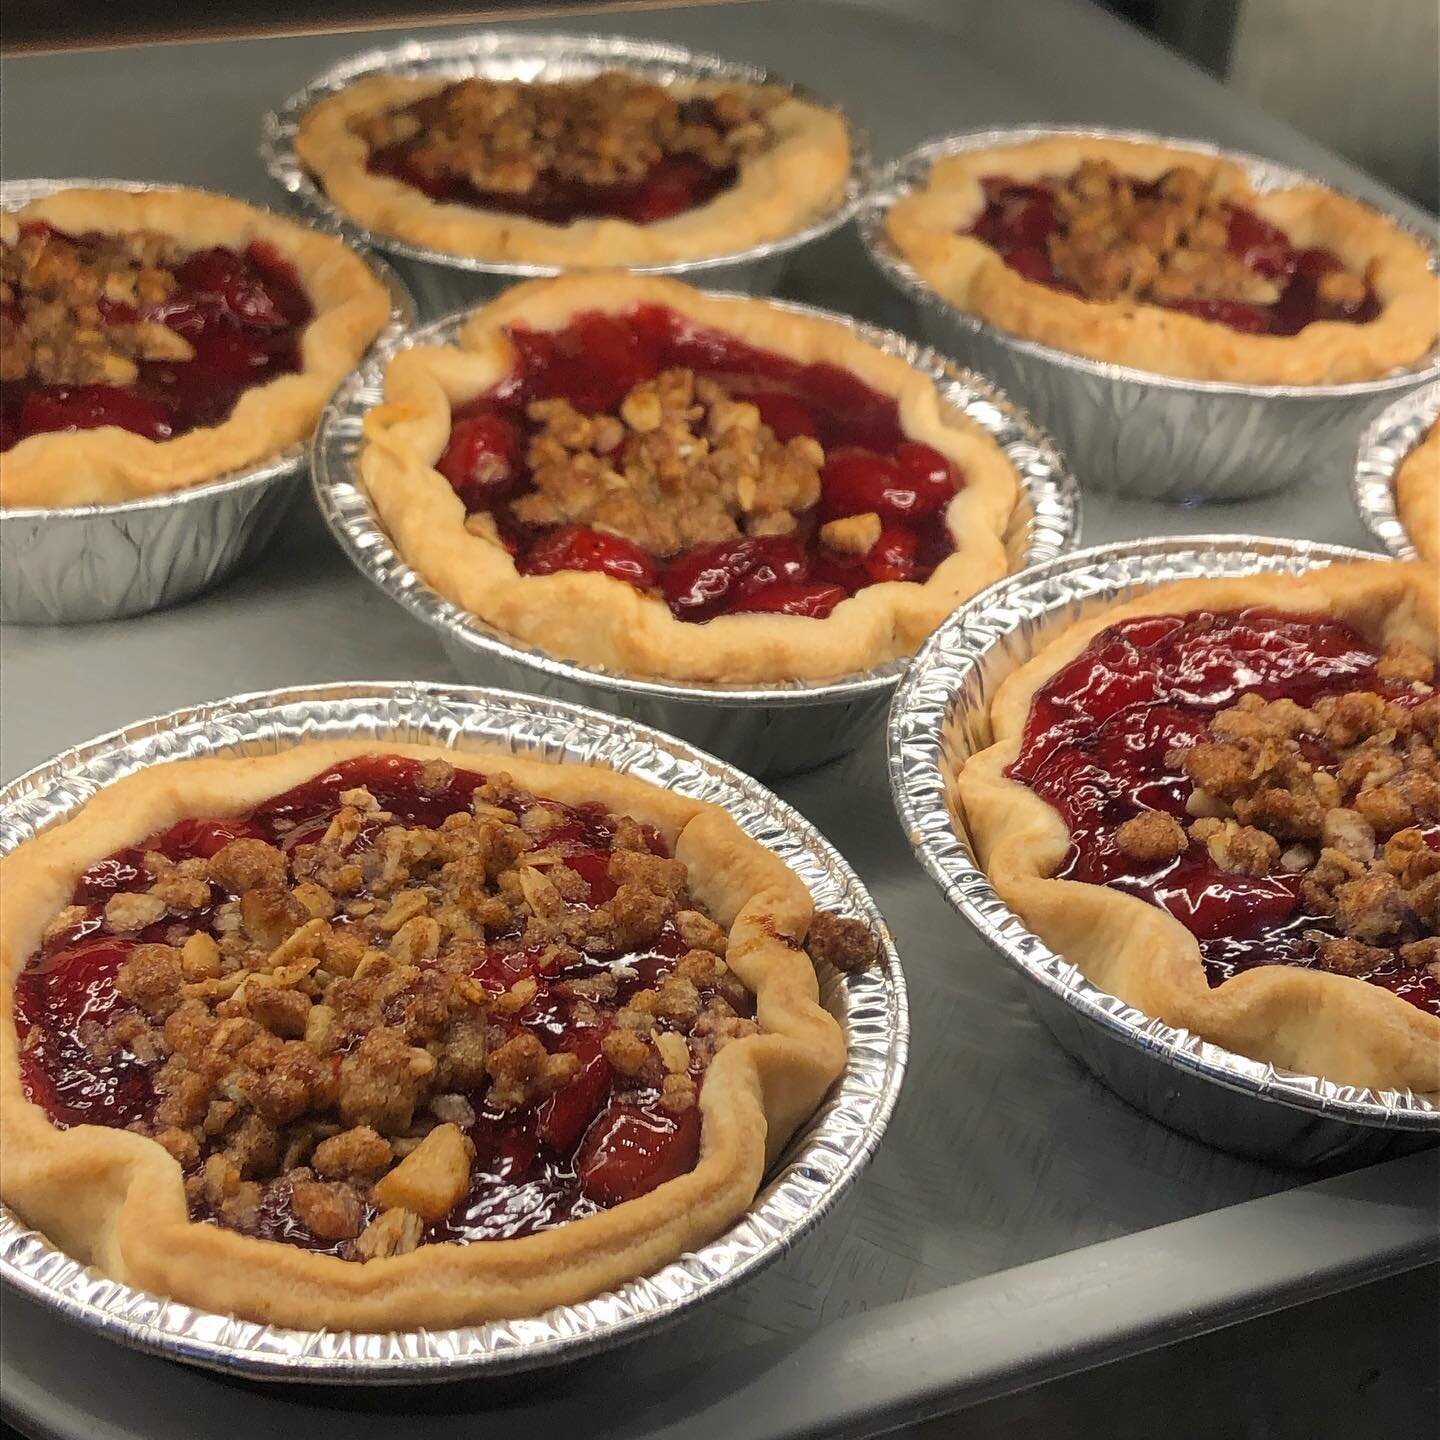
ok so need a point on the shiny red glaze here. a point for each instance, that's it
(55, 997)
(579, 548)
(595, 1141)
(856, 482)
(242, 313)
(481, 459)
(814, 599)
(598, 358)
(1019, 218)
(632, 1148)
(1094, 747)
(784, 414)
(710, 578)
(893, 555)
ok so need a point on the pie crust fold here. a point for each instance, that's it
(115, 1199)
(799, 177)
(108, 464)
(1417, 495)
(1307, 1020)
(601, 621)
(970, 274)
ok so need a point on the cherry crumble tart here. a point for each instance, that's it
(1222, 802)
(404, 1004)
(727, 467)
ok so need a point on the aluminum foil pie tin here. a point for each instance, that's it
(1388, 439)
(442, 281)
(804, 1185)
(771, 730)
(941, 716)
(1136, 432)
(77, 563)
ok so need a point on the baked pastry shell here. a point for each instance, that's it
(1133, 431)
(767, 730)
(941, 717)
(802, 1185)
(444, 279)
(1396, 484)
(105, 561)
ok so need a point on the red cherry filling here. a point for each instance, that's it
(1021, 218)
(1099, 744)
(94, 1046)
(242, 314)
(594, 364)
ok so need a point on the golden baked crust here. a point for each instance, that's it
(1417, 495)
(924, 226)
(109, 464)
(601, 621)
(1312, 1021)
(116, 1199)
(799, 177)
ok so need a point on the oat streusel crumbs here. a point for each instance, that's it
(1152, 836)
(683, 465)
(334, 1021)
(506, 135)
(1341, 794)
(842, 941)
(1167, 247)
(53, 290)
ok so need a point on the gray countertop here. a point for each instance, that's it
(1003, 1152)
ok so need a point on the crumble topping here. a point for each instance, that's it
(68, 306)
(505, 135)
(1343, 795)
(683, 464)
(1167, 247)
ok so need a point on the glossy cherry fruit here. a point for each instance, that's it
(88, 407)
(482, 457)
(577, 547)
(705, 581)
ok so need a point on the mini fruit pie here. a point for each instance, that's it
(372, 1040)
(1166, 259)
(1221, 801)
(634, 475)
(615, 169)
(155, 340)
(1417, 495)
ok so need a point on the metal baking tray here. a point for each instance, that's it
(1133, 431)
(940, 717)
(62, 564)
(1020, 1223)
(804, 1185)
(442, 281)
(1388, 439)
(767, 730)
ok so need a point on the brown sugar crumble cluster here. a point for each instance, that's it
(63, 300)
(505, 136)
(359, 1030)
(682, 464)
(1170, 245)
(1344, 796)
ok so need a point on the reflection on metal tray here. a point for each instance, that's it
(769, 730)
(941, 716)
(1391, 436)
(819, 1164)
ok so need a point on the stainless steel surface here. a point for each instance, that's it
(1387, 440)
(804, 1186)
(105, 562)
(1020, 1222)
(443, 281)
(767, 730)
(940, 717)
(1132, 431)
